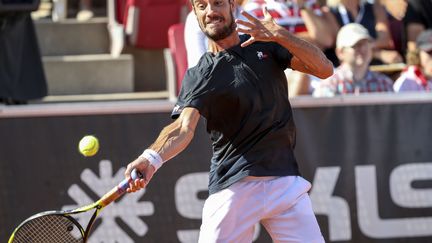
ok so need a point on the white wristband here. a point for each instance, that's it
(153, 157)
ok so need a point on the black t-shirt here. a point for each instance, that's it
(242, 93)
(419, 11)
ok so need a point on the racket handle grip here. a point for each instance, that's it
(120, 189)
(135, 174)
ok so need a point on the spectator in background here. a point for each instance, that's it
(418, 18)
(22, 76)
(418, 75)
(354, 50)
(374, 18)
(195, 40)
(304, 18)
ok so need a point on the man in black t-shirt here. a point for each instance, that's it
(240, 89)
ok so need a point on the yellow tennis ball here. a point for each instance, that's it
(89, 145)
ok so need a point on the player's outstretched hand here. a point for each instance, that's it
(259, 30)
(143, 166)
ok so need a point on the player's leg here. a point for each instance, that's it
(291, 218)
(231, 214)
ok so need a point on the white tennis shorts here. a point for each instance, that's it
(280, 204)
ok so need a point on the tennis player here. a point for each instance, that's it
(240, 89)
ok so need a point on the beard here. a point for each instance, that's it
(222, 33)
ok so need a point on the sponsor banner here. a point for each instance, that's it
(371, 169)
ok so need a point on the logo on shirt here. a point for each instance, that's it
(261, 55)
(177, 109)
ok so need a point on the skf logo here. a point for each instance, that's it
(261, 55)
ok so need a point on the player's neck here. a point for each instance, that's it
(230, 41)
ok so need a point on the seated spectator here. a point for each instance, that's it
(418, 18)
(354, 50)
(374, 18)
(195, 40)
(418, 75)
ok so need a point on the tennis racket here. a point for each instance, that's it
(60, 226)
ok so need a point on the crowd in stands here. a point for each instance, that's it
(354, 35)
(352, 75)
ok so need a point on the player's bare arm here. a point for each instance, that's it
(307, 58)
(173, 139)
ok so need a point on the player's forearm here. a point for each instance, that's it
(313, 59)
(173, 139)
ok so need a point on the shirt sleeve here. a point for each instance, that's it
(194, 93)
(282, 56)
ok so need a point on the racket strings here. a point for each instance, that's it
(48, 229)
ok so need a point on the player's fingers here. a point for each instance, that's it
(245, 23)
(249, 17)
(131, 188)
(139, 183)
(136, 185)
(128, 172)
(139, 164)
(267, 15)
(248, 42)
(246, 31)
